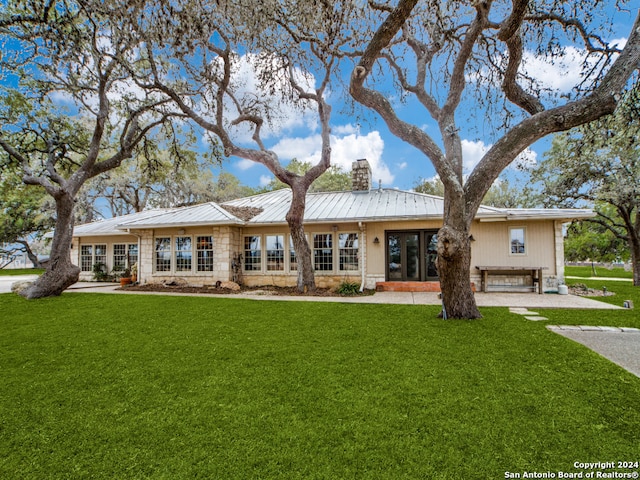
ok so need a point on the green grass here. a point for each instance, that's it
(10, 272)
(127, 387)
(616, 272)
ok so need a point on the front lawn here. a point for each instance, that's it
(12, 272)
(615, 272)
(127, 387)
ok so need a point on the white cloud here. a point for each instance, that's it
(244, 164)
(271, 101)
(526, 160)
(345, 129)
(344, 151)
(559, 73)
(402, 166)
(472, 153)
(265, 180)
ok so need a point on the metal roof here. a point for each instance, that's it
(204, 214)
(350, 206)
(109, 226)
(380, 205)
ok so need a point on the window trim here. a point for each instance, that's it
(103, 257)
(525, 250)
(199, 250)
(288, 250)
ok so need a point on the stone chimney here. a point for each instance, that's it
(361, 176)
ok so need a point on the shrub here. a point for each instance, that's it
(348, 288)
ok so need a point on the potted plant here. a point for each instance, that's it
(125, 277)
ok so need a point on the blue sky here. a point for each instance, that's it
(362, 134)
(395, 163)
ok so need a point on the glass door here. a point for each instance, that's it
(403, 256)
(411, 256)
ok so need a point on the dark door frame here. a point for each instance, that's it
(426, 254)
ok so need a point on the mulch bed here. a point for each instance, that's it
(265, 290)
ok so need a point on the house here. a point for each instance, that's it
(372, 236)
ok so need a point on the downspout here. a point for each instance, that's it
(363, 256)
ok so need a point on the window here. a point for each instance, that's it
(183, 254)
(132, 250)
(92, 254)
(323, 251)
(119, 256)
(275, 253)
(204, 249)
(293, 260)
(124, 255)
(163, 254)
(100, 254)
(348, 245)
(252, 253)
(86, 258)
(517, 241)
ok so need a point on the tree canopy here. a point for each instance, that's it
(598, 165)
(455, 59)
(69, 113)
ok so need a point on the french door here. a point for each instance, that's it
(411, 255)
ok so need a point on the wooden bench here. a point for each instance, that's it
(534, 272)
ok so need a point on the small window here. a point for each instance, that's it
(204, 248)
(252, 253)
(275, 253)
(517, 238)
(163, 254)
(183, 254)
(323, 252)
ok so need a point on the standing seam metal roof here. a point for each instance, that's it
(349, 206)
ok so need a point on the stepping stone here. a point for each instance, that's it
(536, 318)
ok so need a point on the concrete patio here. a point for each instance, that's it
(492, 299)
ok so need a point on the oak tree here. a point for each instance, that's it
(73, 114)
(240, 69)
(599, 164)
(458, 59)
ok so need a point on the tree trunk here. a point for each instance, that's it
(454, 261)
(60, 273)
(33, 258)
(634, 246)
(295, 219)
